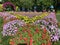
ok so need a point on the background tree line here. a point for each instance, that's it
(30, 4)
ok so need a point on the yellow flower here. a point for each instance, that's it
(28, 20)
(11, 40)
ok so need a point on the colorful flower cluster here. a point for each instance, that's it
(31, 20)
(39, 30)
(8, 3)
(51, 27)
(31, 35)
(11, 27)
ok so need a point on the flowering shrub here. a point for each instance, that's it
(10, 4)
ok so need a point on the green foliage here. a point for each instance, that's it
(45, 3)
(29, 3)
(9, 8)
(25, 3)
(21, 3)
(1, 8)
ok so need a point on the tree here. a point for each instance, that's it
(29, 3)
(26, 3)
(45, 3)
(21, 3)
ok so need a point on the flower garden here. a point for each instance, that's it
(17, 29)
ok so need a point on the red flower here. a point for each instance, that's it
(12, 43)
(43, 44)
(25, 39)
(49, 43)
(31, 41)
(24, 30)
(21, 38)
(30, 34)
(37, 30)
(28, 31)
(43, 36)
(44, 31)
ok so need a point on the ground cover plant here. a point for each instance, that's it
(15, 31)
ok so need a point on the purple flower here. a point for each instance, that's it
(55, 38)
(11, 27)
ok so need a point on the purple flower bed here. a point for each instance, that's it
(11, 27)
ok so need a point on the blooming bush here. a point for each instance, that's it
(9, 4)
